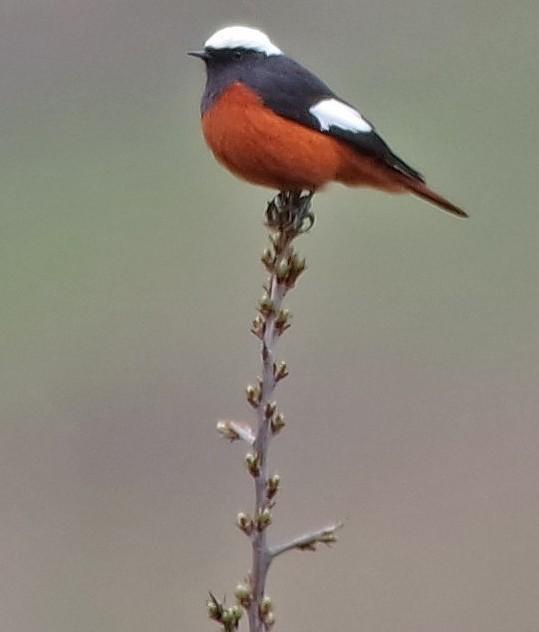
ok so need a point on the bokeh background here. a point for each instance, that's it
(129, 273)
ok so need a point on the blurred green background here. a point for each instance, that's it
(129, 273)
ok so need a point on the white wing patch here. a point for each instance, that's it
(334, 113)
(242, 37)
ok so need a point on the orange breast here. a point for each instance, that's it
(264, 148)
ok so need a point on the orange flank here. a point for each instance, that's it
(264, 148)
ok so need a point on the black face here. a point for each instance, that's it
(225, 66)
(218, 56)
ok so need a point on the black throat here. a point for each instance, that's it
(224, 70)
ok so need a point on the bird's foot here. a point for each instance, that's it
(290, 211)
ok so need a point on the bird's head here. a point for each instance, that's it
(235, 43)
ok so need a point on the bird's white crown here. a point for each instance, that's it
(242, 37)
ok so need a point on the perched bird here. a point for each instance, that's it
(272, 122)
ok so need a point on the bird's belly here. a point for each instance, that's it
(264, 148)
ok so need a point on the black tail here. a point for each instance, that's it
(422, 190)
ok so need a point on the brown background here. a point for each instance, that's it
(129, 273)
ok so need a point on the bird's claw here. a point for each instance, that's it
(290, 211)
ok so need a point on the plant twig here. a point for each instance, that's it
(287, 216)
(235, 430)
(308, 541)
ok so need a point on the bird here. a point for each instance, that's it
(272, 122)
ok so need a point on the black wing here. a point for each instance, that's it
(290, 90)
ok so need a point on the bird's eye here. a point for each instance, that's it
(237, 54)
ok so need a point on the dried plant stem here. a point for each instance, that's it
(287, 217)
(261, 559)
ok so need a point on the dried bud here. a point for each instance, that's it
(269, 620)
(283, 268)
(226, 431)
(253, 395)
(263, 519)
(266, 606)
(328, 538)
(228, 619)
(258, 326)
(273, 486)
(297, 266)
(215, 609)
(245, 523)
(282, 321)
(265, 305)
(282, 316)
(310, 546)
(243, 595)
(234, 430)
(280, 371)
(253, 463)
(271, 407)
(236, 613)
(268, 259)
(275, 238)
(277, 423)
